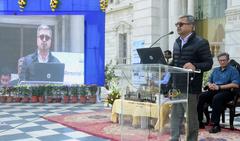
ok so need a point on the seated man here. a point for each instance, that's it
(221, 81)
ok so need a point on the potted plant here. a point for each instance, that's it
(83, 94)
(35, 94)
(57, 93)
(2, 96)
(25, 92)
(49, 93)
(74, 93)
(41, 93)
(65, 93)
(92, 89)
(9, 93)
(4, 91)
(16, 94)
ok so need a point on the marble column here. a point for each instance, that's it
(232, 28)
(163, 11)
(190, 7)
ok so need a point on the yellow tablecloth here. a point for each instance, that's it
(141, 109)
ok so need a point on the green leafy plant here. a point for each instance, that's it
(25, 90)
(110, 76)
(206, 75)
(111, 83)
(64, 90)
(83, 90)
(115, 94)
(74, 90)
(93, 89)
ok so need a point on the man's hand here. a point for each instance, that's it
(213, 87)
(189, 66)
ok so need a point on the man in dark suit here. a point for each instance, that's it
(190, 51)
(42, 55)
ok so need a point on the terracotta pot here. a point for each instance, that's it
(58, 99)
(41, 99)
(66, 99)
(74, 99)
(49, 99)
(83, 99)
(25, 100)
(9, 99)
(34, 99)
(17, 99)
(3, 99)
(92, 99)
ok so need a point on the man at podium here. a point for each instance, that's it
(190, 51)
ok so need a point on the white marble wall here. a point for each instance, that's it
(118, 20)
(232, 28)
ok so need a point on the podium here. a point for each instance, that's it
(143, 111)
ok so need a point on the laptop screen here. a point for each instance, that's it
(151, 56)
(48, 72)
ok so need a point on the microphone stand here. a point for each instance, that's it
(160, 38)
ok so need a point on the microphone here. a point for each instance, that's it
(161, 38)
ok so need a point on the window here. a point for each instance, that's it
(123, 48)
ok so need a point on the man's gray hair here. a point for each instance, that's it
(224, 54)
(189, 18)
(44, 27)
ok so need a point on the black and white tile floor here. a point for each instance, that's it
(23, 122)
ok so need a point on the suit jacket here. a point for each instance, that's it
(27, 67)
(196, 51)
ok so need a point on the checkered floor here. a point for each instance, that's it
(23, 122)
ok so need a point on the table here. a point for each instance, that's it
(138, 109)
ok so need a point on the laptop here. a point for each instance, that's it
(48, 72)
(151, 56)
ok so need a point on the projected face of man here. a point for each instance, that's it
(44, 38)
(5, 79)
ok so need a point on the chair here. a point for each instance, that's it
(232, 105)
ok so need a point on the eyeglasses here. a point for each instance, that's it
(222, 60)
(180, 24)
(42, 36)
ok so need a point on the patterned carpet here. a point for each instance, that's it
(99, 124)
